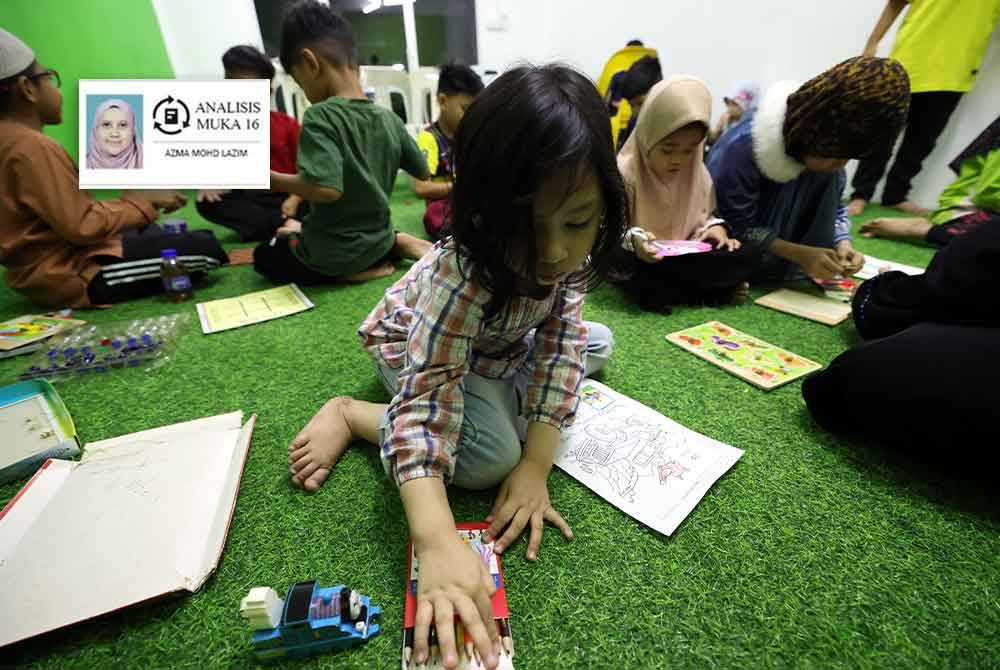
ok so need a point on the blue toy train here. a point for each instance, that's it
(310, 620)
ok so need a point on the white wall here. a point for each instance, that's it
(198, 32)
(723, 42)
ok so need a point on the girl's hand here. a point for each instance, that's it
(820, 262)
(645, 249)
(454, 580)
(720, 238)
(524, 498)
(850, 258)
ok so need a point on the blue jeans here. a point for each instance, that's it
(489, 442)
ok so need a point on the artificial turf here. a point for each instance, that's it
(813, 551)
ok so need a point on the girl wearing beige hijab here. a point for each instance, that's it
(662, 164)
(671, 198)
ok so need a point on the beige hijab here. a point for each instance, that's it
(677, 210)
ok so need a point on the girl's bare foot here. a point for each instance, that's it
(910, 208)
(408, 246)
(318, 446)
(375, 272)
(896, 229)
(856, 206)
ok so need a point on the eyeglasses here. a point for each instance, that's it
(51, 74)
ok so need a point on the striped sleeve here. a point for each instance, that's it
(558, 353)
(425, 417)
(842, 222)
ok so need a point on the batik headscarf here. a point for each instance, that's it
(988, 140)
(849, 111)
(131, 155)
(745, 95)
(678, 209)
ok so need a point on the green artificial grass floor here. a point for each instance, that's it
(811, 552)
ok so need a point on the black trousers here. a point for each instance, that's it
(255, 215)
(929, 114)
(930, 386)
(137, 273)
(695, 279)
(943, 234)
(278, 263)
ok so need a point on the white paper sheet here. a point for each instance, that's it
(653, 469)
(874, 265)
(139, 517)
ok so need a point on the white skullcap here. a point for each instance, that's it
(15, 56)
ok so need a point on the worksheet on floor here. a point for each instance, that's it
(653, 469)
(251, 308)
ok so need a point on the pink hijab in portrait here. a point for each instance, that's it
(131, 155)
(681, 208)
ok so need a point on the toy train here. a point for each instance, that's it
(310, 620)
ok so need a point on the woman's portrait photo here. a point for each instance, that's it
(115, 138)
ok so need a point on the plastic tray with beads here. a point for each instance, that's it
(98, 349)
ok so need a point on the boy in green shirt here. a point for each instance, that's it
(349, 152)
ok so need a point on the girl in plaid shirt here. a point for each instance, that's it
(482, 343)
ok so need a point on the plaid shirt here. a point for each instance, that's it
(430, 325)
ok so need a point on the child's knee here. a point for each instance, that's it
(486, 455)
(600, 346)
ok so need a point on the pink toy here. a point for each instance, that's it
(666, 248)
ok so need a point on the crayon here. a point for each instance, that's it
(470, 647)
(503, 626)
(407, 646)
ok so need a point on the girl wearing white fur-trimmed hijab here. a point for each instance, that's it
(671, 198)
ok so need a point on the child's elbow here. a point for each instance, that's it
(420, 188)
(325, 194)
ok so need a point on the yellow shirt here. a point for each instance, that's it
(429, 146)
(942, 42)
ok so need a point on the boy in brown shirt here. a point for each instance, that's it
(61, 247)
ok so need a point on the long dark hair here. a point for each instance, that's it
(529, 124)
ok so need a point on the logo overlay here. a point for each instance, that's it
(175, 134)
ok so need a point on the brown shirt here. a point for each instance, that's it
(50, 230)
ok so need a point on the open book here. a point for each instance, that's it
(140, 516)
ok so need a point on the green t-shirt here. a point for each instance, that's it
(976, 189)
(356, 147)
(941, 43)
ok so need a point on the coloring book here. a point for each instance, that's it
(653, 469)
(753, 360)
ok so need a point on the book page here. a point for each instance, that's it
(874, 266)
(653, 469)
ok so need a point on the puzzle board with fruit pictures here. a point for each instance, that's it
(758, 362)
